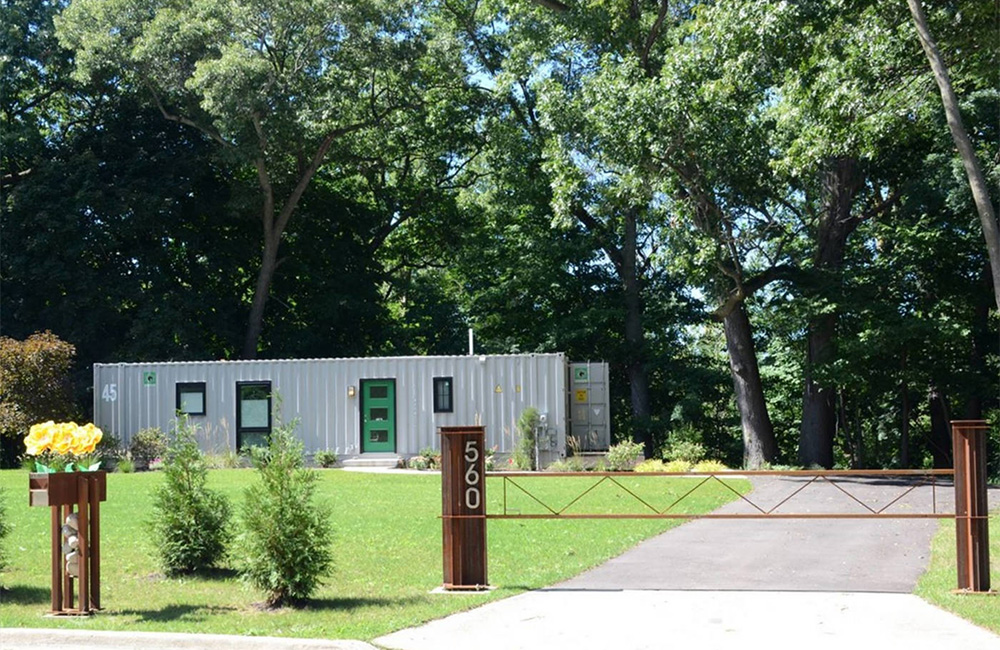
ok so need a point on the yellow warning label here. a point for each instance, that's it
(581, 395)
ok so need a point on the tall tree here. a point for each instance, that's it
(277, 86)
(966, 151)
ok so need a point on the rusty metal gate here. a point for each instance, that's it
(464, 511)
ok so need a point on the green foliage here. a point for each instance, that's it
(325, 458)
(651, 465)
(124, 465)
(419, 462)
(110, 451)
(524, 452)
(571, 464)
(285, 537)
(433, 457)
(677, 466)
(623, 456)
(689, 452)
(147, 445)
(709, 466)
(34, 386)
(190, 521)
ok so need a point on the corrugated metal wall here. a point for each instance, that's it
(493, 390)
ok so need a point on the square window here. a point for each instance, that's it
(191, 398)
(443, 402)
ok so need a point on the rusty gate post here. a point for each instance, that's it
(463, 507)
(971, 507)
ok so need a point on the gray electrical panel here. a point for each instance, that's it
(590, 421)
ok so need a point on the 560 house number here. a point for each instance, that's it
(473, 495)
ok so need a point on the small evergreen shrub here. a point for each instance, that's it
(125, 465)
(325, 458)
(190, 521)
(524, 453)
(651, 465)
(623, 456)
(147, 445)
(284, 539)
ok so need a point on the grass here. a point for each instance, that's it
(387, 550)
(938, 584)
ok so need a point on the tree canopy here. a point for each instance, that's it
(755, 211)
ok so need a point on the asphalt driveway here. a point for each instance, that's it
(783, 583)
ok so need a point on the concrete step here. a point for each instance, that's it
(384, 461)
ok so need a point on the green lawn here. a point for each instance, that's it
(387, 549)
(938, 584)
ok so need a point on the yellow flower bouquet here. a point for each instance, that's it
(65, 446)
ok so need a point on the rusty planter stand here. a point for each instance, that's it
(62, 492)
(463, 513)
(972, 531)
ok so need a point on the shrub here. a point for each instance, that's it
(433, 457)
(191, 522)
(419, 462)
(524, 453)
(677, 466)
(325, 458)
(125, 466)
(110, 452)
(284, 536)
(690, 452)
(34, 387)
(710, 466)
(622, 457)
(651, 465)
(147, 445)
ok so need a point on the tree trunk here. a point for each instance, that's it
(759, 446)
(634, 338)
(977, 182)
(262, 289)
(940, 429)
(819, 416)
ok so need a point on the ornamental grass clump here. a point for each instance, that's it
(284, 542)
(190, 522)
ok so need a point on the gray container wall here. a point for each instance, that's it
(493, 390)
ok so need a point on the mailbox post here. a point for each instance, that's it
(463, 511)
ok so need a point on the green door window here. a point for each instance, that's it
(378, 415)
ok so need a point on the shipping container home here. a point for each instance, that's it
(366, 407)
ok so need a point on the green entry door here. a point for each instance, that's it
(378, 415)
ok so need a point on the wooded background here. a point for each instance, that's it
(753, 210)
